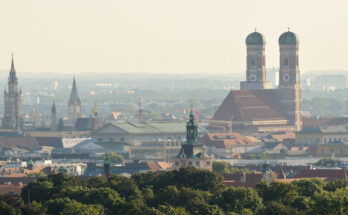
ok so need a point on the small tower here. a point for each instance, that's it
(289, 90)
(12, 118)
(191, 130)
(192, 153)
(107, 165)
(255, 63)
(266, 172)
(54, 117)
(30, 164)
(74, 105)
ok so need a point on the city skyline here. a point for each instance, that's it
(165, 37)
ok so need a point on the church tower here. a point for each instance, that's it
(74, 105)
(255, 63)
(12, 118)
(289, 91)
(192, 154)
(54, 117)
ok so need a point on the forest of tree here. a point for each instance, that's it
(177, 192)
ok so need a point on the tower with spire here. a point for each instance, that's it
(54, 117)
(192, 154)
(12, 118)
(74, 105)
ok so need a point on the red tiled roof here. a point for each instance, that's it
(20, 142)
(164, 165)
(281, 136)
(225, 140)
(11, 189)
(235, 180)
(250, 105)
(314, 122)
(330, 174)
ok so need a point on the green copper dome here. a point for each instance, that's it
(288, 38)
(255, 38)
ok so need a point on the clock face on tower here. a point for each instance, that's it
(252, 77)
(285, 77)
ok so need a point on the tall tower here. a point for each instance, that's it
(191, 130)
(12, 118)
(54, 117)
(255, 63)
(289, 92)
(74, 105)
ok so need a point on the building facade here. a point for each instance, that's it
(74, 105)
(192, 154)
(12, 117)
(258, 108)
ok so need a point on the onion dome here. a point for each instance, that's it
(255, 38)
(288, 38)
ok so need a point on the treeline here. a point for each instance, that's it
(179, 192)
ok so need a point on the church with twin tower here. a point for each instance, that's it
(256, 106)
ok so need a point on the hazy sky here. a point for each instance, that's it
(166, 36)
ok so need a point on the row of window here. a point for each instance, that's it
(197, 163)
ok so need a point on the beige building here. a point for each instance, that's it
(154, 150)
(332, 131)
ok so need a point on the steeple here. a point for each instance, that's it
(106, 165)
(53, 107)
(191, 130)
(12, 77)
(54, 117)
(74, 95)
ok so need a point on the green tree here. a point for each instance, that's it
(307, 187)
(330, 203)
(236, 199)
(284, 193)
(220, 167)
(37, 190)
(66, 206)
(277, 208)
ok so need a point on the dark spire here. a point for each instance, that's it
(191, 130)
(53, 107)
(74, 95)
(12, 77)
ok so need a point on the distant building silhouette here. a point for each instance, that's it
(12, 118)
(74, 105)
(54, 117)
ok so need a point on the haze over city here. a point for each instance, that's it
(181, 107)
(161, 36)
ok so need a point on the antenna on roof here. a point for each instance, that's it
(255, 29)
(288, 29)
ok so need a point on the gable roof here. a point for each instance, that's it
(151, 127)
(330, 174)
(226, 140)
(20, 142)
(250, 105)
